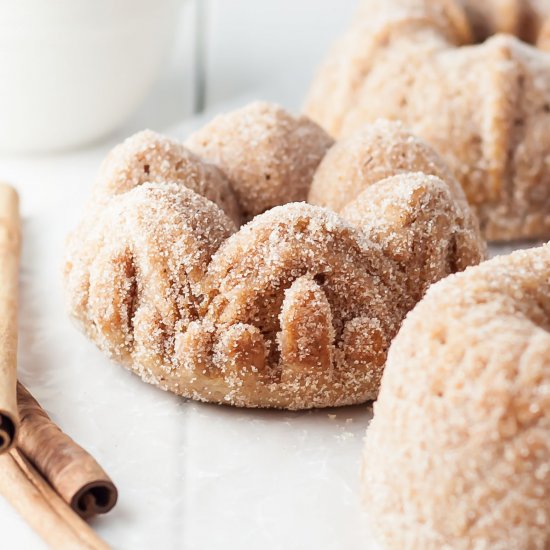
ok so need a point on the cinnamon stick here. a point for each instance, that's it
(69, 469)
(43, 508)
(10, 246)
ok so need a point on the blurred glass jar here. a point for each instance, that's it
(71, 71)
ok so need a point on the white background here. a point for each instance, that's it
(190, 475)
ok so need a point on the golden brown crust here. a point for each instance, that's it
(294, 310)
(482, 106)
(458, 452)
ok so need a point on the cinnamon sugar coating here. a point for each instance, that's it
(133, 276)
(297, 308)
(150, 157)
(483, 106)
(417, 222)
(458, 453)
(375, 152)
(268, 155)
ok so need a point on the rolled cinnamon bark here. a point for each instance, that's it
(25, 489)
(10, 245)
(70, 470)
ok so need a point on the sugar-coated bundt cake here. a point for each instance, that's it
(295, 309)
(458, 453)
(466, 76)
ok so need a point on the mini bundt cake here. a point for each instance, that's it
(296, 309)
(466, 76)
(458, 453)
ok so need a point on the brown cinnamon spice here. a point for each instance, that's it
(10, 245)
(69, 469)
(43, 508)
